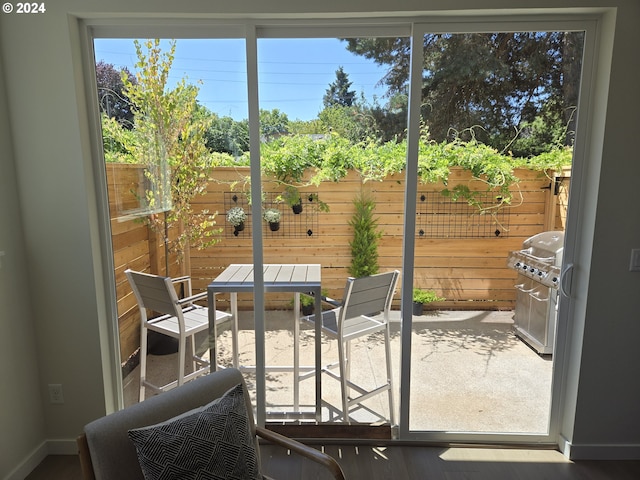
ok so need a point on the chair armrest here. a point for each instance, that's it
(186, 279)
(304, 450)
(85, 458)
(192, 298)
(331, 301)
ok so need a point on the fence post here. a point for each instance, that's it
(550, 204)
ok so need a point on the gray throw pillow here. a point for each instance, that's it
(212, 442)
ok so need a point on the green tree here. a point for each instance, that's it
(273, 123)
(495, 83)
(338, 92)
(348, 122)
(225, 135)
(117, 141)
(170, 142)
(366, 235)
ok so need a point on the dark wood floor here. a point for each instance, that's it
(411, 463)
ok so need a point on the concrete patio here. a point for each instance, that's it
(470, 373)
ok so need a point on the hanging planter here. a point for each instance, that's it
(297, 208)
(236, 216)
(272, 217)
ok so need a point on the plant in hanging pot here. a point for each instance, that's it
(422, 297)
(272, 217)
(293, 198)
(236, 216)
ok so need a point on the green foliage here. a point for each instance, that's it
(426, 296)
(303, 160)
(117, 142)
(169, 139)
(351, 123)
(225, 135)
(500, 82)
(338, 92)
(364, 246)
(307, 300)
(273, 123)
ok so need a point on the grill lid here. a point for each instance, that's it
(545, 244)
(540, 259)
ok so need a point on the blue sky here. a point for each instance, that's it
(294, 74)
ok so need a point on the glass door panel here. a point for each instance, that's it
(174, 117)
(498, 122)
(327, 133)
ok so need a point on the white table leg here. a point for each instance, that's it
(296, 352)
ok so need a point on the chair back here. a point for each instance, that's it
(154, 292)
(105, 449)
(368, 296)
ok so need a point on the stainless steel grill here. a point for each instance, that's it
(538, 265)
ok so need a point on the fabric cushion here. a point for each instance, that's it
(212, 442)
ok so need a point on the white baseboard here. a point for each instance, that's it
(599, 452)
(48, 447)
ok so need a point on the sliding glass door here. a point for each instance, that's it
(361, 149)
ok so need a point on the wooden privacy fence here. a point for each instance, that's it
(460, 253)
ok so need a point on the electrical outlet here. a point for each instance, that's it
(55, 393)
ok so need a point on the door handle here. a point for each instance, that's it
(566, 277)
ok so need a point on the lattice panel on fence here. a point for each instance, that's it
(292, 225)
(442, 217)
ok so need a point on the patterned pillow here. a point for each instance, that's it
(212, 442)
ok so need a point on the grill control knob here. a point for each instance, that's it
(532, 270)
(554, 279)
(525, 267)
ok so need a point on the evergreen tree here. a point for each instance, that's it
(338, 92)
(493, 83)
(364, 246)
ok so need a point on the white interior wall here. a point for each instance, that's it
(60, 250)
(21, 407)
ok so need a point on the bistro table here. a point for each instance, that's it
(277, 278)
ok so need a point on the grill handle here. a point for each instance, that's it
(520, 287)
(565, 280)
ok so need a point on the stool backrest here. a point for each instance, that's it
(368, 295)
(154, 292)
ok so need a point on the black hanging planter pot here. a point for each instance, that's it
(238, 228)
(297, 208)
(274, 226)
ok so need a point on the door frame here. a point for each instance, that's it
(599, 28)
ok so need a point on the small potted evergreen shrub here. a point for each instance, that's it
(422, 297)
